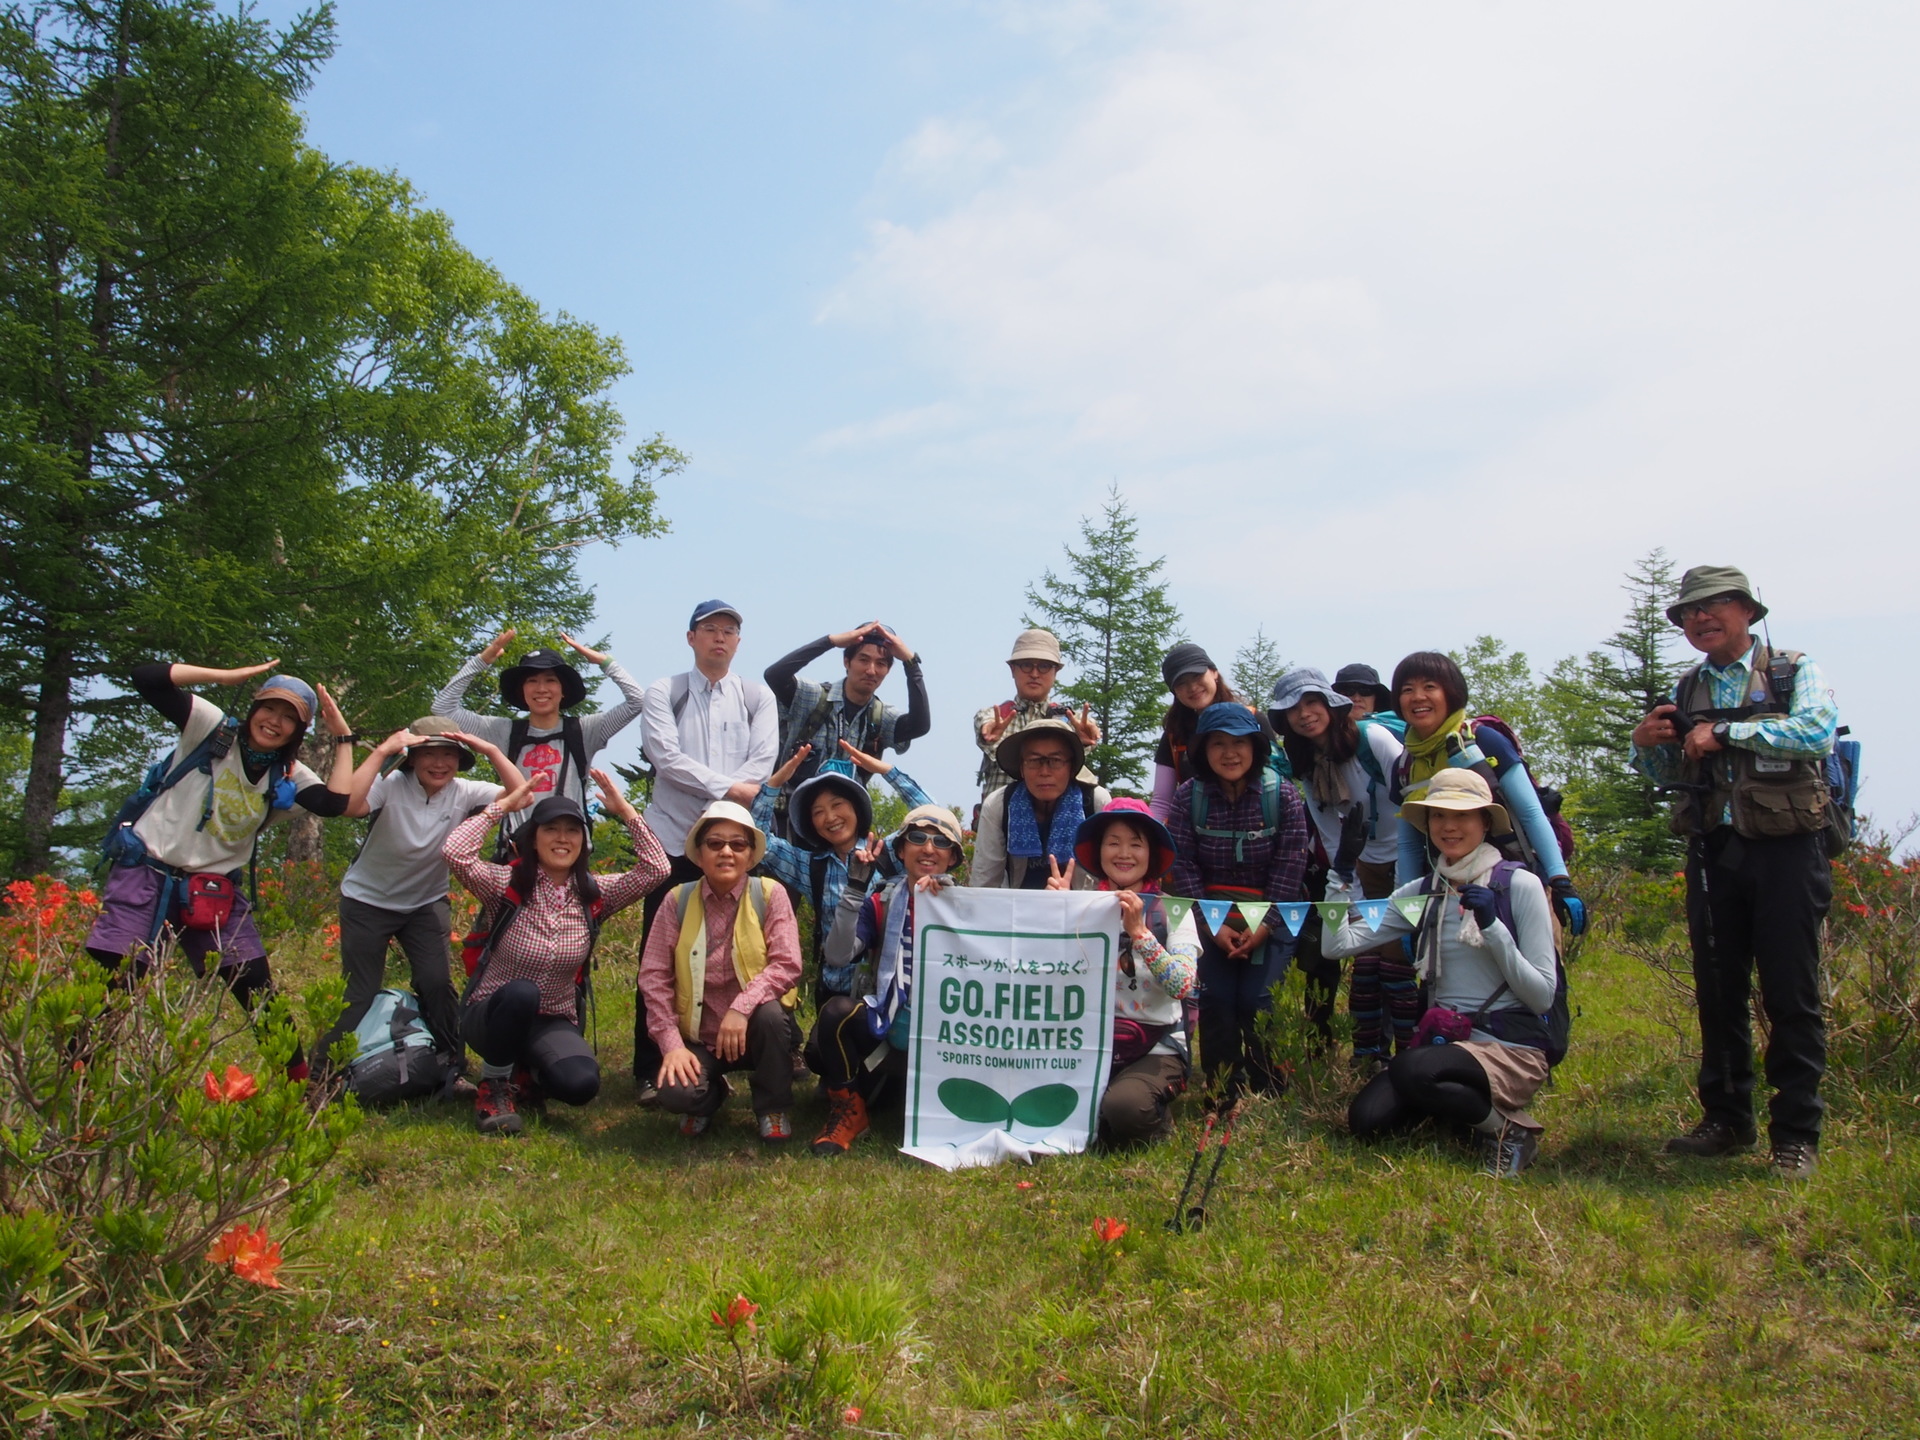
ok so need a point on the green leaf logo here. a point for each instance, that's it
(1041, 1108)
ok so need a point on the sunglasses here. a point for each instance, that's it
(717, 842)
(1034, 667)
(929, 837)
(1707, 606)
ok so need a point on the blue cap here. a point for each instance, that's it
(707, 609)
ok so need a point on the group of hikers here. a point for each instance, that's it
(1345, 791)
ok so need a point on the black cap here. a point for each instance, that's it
(549, 808)
(572, 688)
(1183, 660)
(1362, 677)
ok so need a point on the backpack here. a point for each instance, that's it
(1269, 813)
(395, 1060)
(573, 740)
(477, 949)
(122, 847)
(1550, 1033)
(1514, 845)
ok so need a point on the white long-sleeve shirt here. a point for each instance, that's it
(727, 733)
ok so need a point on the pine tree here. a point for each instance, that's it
(1256, 665)
(1596, 702)
(1115, 622)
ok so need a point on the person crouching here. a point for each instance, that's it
(719, 973)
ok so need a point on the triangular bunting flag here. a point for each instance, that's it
(1372, 911)
(1215, 912)
(1412, 907)
(1176, 909)
(1294, 912)
(1333, 913)
(1254, 912)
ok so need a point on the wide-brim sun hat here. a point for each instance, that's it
(930, 817)
(1037, 644)
(1009, 750)
(294, 691)
(514, 678)
(1160, 850)
(1363, 677)
(432, 730)
(827, 782)
(1228, 717)
(1455, 788)
(739, 815)
(1703, 582)
(1298, 683)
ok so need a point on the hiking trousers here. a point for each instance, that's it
(1756, 906)
(366, 931)
(1138, 1104)
(771, 1032)
(507, 1028)
(1233, 995)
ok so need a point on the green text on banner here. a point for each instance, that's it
(1012, 1022)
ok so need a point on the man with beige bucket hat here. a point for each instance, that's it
(1035, 662)
(1743, 744)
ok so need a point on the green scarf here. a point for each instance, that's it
(1429, 757)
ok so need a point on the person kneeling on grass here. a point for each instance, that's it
(1129, 851)
(522, 1009)
(1489, 974)
(860, 1040)
(719, 972)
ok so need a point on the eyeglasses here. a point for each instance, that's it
(929, 837)
(723, 632)
(1704, 607)
(1034, 667)
(716, 842)
(1044, 762)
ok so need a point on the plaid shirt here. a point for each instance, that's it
(1025, 712)
(1274, 864)
(549, 939)
(723, 992)
(1807, 731)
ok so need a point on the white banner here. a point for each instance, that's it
(1012, 1026)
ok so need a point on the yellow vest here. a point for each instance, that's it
(749, 950)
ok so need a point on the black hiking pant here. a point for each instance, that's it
(365, 933)
(1442, 1081)
(507, 1028)
(1757, 906)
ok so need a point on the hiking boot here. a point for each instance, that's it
(1511, 1150)
(646, 1094)
(493, 1109)
(846, 1122)
(1794, 1159)
(1710, 1138)
(776, 1127)
(692, 1125)
(800, 1070)
(459, 1089)
(528, 1094)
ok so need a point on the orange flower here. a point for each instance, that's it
(739, 1313)
(250, 1255)
(239, 1086)
(1023, 1184)
(1109, 1229)
(850, 1415)
(21, 892)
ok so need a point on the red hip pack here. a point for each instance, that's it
(206, 902)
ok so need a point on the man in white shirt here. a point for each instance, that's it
(710, 735)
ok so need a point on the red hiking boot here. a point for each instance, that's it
(493, 1108)
(846, 1122)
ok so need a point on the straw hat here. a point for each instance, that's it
(1456, 789)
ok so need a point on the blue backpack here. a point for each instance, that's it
(1270, 782)
(122, 847)
(395, 1060)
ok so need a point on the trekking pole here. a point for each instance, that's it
(1174, 1221)
(1197, 1214)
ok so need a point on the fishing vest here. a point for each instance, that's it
(1765, 797)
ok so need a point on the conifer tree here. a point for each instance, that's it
(1115, 622)
(1256, 665)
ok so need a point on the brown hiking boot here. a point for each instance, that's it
(846, 1123)
(1794, 1159)
(493, 1109)
(1710, 1138)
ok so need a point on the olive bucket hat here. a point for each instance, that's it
(1710, 582)
(432, 730)
(1010, 750)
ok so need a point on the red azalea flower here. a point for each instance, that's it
(250, 1255)
(740, 1312)
(1109, 1229)
(238, 1086)
(1023, 1185)
(850, 1415)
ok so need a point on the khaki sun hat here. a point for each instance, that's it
(1456, 789)
(1009, 750)
(739, 815)
(930, 817)
(1704, 582)
(1036, 644)
(432, 730)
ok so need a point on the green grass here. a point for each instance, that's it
(559, 1283)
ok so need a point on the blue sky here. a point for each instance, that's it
(1396, 324)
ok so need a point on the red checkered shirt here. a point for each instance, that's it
(548, 940)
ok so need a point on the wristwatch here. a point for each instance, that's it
(1721, 730)
(352, 737)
